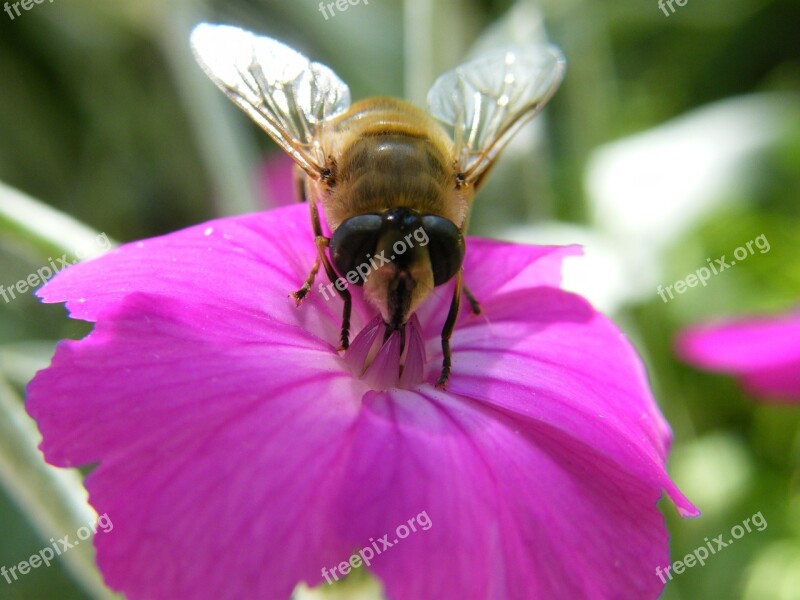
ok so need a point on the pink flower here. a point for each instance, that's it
(276, 180)
(763, 352)
(238, 455)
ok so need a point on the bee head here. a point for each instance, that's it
(399, 256)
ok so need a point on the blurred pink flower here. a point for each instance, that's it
(763, 352)
(276, 180)
(238, 455)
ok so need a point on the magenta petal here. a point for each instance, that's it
(517, 510)
(492, 270)
(779, 384)
(513, 266)
(245, 264)
(558, 373)
(414, 367)
(361, 348)
(763, 351)
(238, 454)
(152, 367)
(213, 453)
(384, 372)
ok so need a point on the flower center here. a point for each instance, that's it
(388, 358)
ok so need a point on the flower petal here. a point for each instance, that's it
(517, 510)
(763, 351)
(227, 475)
(492, 269)
(210, 445)
(249, 263)
(546, 355)
(743, 344)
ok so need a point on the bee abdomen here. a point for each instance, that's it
(387, 169)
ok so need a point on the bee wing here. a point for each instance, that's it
(279, 88)
(487, 100)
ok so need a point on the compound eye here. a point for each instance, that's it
(446, 247)
(353, 240)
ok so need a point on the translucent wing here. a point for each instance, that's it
(279, 88)
(487, 100)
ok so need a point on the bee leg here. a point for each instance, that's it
(322, 259)
(322, 243)
(300, 294)
(447, 331)
(299, 184)
(473, 301)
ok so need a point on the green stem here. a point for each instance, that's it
(54, 500)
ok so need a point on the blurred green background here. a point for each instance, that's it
(105, 117)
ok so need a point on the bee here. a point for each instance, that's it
(383, 170)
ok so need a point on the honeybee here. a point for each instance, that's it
(382, 169)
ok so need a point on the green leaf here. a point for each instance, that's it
(27, 219)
